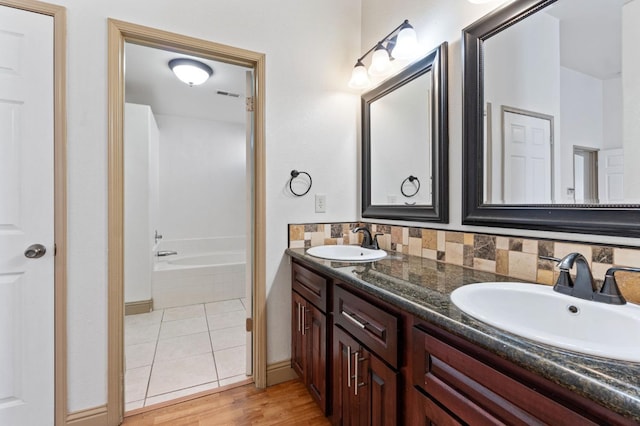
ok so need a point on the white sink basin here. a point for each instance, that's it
(346, 253)
(538, 313)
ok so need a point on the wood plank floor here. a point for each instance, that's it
(288, 403)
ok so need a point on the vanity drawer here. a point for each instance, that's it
(372, 326)
(477, 393)
(310, 285)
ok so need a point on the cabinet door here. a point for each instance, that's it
(298, 348)
(364, 387)
(315, 334)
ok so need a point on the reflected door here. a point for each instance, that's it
(26, 219)
(527, 159)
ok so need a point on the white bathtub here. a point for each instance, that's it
(204, 270)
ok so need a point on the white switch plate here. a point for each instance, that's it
(321, 203)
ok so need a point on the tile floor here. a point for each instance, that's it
(174, 352)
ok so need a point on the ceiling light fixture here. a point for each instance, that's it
(401, 43)
(190, 71)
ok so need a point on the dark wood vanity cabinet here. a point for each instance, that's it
(367, 362)
(365, 389)
(365, 382)
(456, 382)
(309, 332)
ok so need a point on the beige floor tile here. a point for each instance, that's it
(139, 355)
(224, 306)
(180, 393)
(232, 380)
(177, 374)
(231, 362)
(140, 333)
(183, 312)
(135, 383)
(183, 346)
(183, 327)
(226, 320)
(228, 338)
(146, 319)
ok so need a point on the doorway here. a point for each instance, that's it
(585, 175)
(123, 34)
(186, 247)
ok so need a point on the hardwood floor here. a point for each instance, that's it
(288, 403)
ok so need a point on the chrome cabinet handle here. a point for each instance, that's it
(352, 319)
(35, 251)
(355, 376)
(303, 311)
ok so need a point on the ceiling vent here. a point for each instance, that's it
(232, 95)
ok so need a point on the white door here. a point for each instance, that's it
(611, 175)
(527, 159)
(26, 218)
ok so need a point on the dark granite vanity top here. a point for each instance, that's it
(422, 287)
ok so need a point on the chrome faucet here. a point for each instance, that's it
(584, 286)
(368, 241)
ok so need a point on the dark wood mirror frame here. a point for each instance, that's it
(618, 220)
(438, 211)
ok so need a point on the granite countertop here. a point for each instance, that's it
(422, 287)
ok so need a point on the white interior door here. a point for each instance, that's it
(527, 159)
(611, 175)
(26, 218)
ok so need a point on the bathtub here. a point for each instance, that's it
(204, 270)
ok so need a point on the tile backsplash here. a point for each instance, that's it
(511, 256)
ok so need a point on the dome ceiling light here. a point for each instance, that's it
(190, 71)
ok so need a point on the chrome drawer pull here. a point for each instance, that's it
(352, 319)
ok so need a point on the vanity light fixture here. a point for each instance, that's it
(190, 71)
(401, 43)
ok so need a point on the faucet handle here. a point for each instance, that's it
(564, 284)
(551, 258)
(610, 292)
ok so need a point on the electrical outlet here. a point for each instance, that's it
(321, 203)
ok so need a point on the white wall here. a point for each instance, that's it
(631, 91)
(612, 108)
(202, 178)
(140, 199)
(311, 125)
(582, 103)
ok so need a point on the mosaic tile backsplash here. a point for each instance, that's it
(510, 256)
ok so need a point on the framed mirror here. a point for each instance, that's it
(550, 141)
(405, 143)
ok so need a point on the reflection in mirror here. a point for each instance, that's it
(550, 133)
(401, 145)
(557, 89)
(404, 139)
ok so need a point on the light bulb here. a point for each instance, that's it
(380, 63)
(406, 43)
(359, 76)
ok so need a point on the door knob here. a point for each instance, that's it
(34, 251)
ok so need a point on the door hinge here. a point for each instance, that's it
(249, 103)
(249, 325)
(55, 249)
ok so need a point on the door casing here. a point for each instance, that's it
(119, 33)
